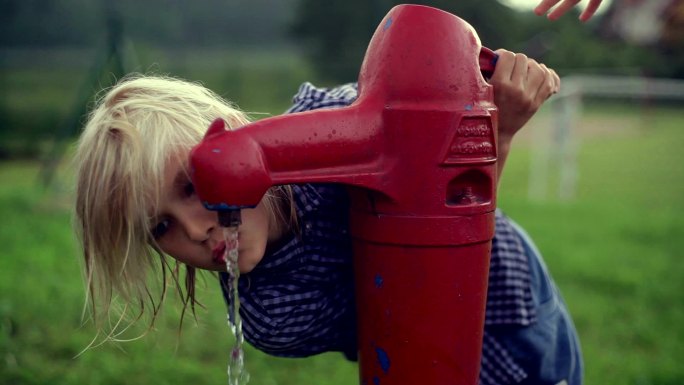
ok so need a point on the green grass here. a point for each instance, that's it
(41, 330)
(616, 250)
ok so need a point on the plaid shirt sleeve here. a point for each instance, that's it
(299, 300)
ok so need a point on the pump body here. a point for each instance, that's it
(418, 152)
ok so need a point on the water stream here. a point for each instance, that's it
(237, 375)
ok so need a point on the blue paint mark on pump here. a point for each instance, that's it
(224, 206)
(388, 24)
(383, 359)
(378, 281)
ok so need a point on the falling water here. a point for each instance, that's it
(237, 375)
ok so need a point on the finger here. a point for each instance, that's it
(590, 10)
(540, 84)
(504, 66)
(519, 73)
(538, 79)
(556, 81)
(562, 8)
(546, 86)
(544, 6)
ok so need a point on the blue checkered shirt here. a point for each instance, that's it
(299, 300)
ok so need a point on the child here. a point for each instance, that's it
(136, 205)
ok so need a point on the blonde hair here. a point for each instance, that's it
(127, 141)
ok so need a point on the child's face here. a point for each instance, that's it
(188, 232)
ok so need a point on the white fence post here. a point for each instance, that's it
(561, 152)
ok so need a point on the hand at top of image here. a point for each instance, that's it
(564, 6)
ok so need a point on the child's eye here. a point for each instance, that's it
(160, 229)
(189, 189)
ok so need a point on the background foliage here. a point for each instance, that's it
(64, 42)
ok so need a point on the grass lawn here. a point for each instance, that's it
(615, 251)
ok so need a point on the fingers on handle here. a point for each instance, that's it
(538, 82)
(504, 66)
(520, 71)
(549, 85)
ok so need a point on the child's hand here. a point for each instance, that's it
(521, 86)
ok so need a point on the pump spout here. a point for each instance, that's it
(230, 218)
(233, 169)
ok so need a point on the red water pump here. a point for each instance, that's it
(418, 151)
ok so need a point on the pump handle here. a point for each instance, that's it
(488, 61)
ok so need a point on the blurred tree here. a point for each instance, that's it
(40, 23)
(571, 47)
(672, 39)
(336, 33)
(656, 27)
(59, 23)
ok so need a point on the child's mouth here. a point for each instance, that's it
(219, 253)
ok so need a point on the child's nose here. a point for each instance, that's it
(197, 233)
(198, 227)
